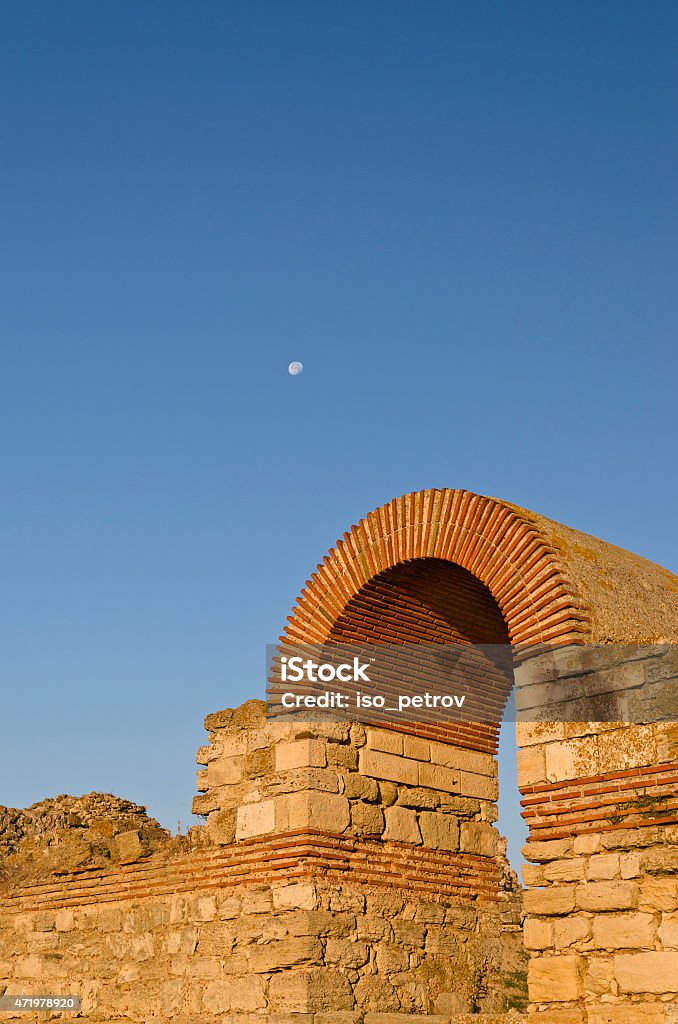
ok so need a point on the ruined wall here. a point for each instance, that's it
(353, 874)
(341, 871)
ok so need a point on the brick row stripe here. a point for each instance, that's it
(633, 798)
(293, 855)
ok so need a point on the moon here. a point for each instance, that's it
(295, 368)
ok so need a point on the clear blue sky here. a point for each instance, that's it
(460, 216)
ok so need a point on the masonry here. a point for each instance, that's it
(354, 873)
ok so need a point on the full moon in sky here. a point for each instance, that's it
(295, 368)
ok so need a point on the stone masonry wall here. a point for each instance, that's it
(343, 874)
(602, 901)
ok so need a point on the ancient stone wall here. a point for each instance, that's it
(352, 873)
(341, 870)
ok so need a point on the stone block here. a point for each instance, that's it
(439, 831)
(668, 931)
(545, 850)
(367, 819)
(416, 748)
(614, 895)
(360, 787)
(603, 866)
(624, 931)
(528, 733)
(346, 953)
(634, 746)
(309, 753)
(627, 1013)
(660, 862)
(531, 763)
(478, 838)
(599, 977)
(388, 766)
(658, 894)
(401, 825)
(275, 956)
(328, 812)
(568, 931)
(556, 900)
(296, 896)
(572, 759)
(226, 771)
(64, 920)
(533, 875)
(314, 990)
(420, 799)
(387, 742)
(537, 934)
(555, 979)
(434, 776)
(480, 786)
(629, 865)
(647, 972)
(451, 756)
(129, 846)
(240, 995)
(587, 844)
(255, 819)
(569, 870)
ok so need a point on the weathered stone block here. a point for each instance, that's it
(439, 831)
(555, 979)
(296, 896)
(668, 931)
(388, 742)
(647, 972)
(572, 759)
(434, 776)
(603, 866)
(615, 895)
(537, 934)
(255, 819)
(531, 766)
(550, 849)
(556, 900)
(234, 994)
(569, 870)
(625, 931)
(401, 825)
(480, 786)
(367, 819)
(388, 766)
(314, 990)
(346, 952)
(226, 771)
(309, 753)
(627, 1013)
(274, 956)
(568, 931)
(328, 812)
(478, 838)
(416, 748)
(361, 788)
(418, 798)
(658, 894)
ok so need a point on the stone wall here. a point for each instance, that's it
(343, 871)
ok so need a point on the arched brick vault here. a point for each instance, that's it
(551, 583)
(444, 566)
(495, 543)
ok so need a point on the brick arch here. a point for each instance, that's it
(488, 538)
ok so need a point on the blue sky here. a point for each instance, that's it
(460, 217)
